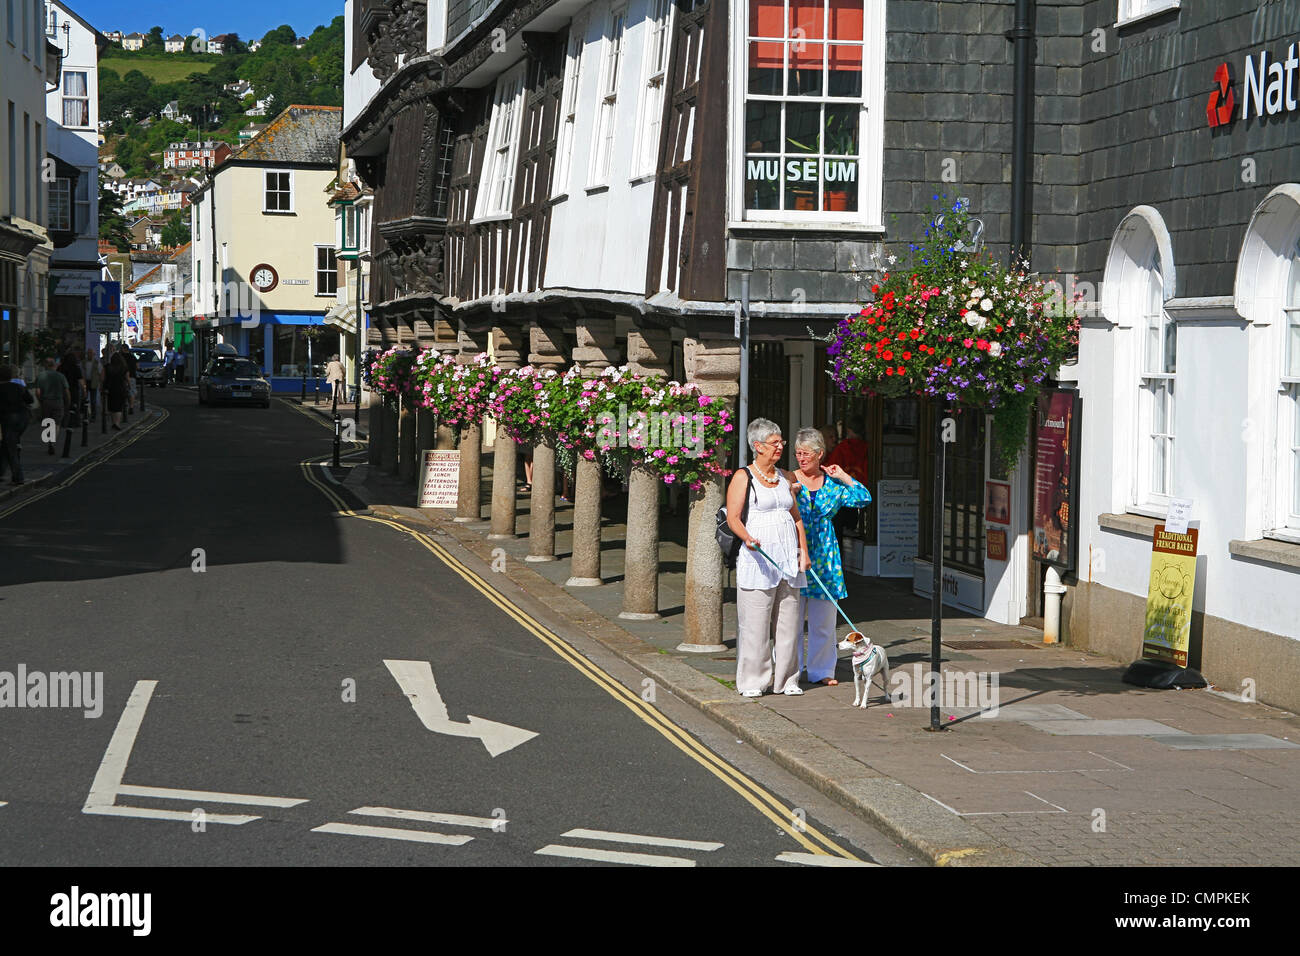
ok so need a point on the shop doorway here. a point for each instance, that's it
(963, 517)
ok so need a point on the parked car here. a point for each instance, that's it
(233, 378)
(149, 367)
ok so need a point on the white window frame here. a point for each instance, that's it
(69, 99)
(497, 182)
(569, 108)
(613, 57)
(267, 191)
(1287, 435)
(81, 205)
(654, 69)
(869, 215)
(1131, 11)
(1156, 392)
(332, 272)
(61, 205)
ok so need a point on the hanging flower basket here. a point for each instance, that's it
(392, 373)
(954, 325)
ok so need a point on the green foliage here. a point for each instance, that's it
(176, 232)
(113, 226)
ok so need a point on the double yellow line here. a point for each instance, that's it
(763, 801)
(78, 470)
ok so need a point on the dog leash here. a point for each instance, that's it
(825, 589)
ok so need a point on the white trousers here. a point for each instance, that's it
(768, 638)
(820, 615)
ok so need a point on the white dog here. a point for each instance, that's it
(868, 659)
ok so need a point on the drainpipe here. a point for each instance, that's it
(1022, 35)
(1053, 589)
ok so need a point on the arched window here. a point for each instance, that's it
(1155, 476)
(1289, 412)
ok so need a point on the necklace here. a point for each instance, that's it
(770, 479)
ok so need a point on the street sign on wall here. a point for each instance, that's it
(105, 298)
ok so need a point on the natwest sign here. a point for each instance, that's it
(1268, 88)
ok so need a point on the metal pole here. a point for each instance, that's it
(302, 399)
(338, 428)
(85, 417)
(1022, 35)
(356, 371)
(744, 369)
(936, 582)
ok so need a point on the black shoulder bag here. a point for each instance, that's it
(725, 537)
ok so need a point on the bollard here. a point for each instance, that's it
(85, 421)
(103, 412)
(140, 387)
(67, 441)
(338, 429)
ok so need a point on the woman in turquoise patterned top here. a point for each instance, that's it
(822, 492)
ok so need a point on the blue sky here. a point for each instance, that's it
(249, 19)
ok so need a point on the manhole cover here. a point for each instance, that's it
(989, 645)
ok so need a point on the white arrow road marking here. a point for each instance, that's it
(613, 856)
(416, 680)
(392, 833)
(107, 785)
(645, 840)
(817, 859)
(453, 819)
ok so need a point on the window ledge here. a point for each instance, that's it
(557, 199)
(598, 188)
(1282, 553)
(278, 212)
(1162, 7)
(847, 228)
(495, 217)
(1140, 525)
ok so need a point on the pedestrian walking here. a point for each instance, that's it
(115, 389)
(93, 369)
(132, 375)
(70, 368)
(336, 375)
(767, 599)
(823, 491)
(15, 404)
(55, 395)
(179, 367)
(169, 364)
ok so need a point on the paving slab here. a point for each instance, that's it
(1124, 727)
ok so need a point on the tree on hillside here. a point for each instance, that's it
(154, 40)
(283, 34)
(176, 232)
(113, 226)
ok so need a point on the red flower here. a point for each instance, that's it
(886, 355)
(950, 338)
(901, 336)
(906, 356)
(997, 328)
(968, 342)
(889, 371)
(947, 361)
(982, 345)
(875, 289)
(880, 328)
(916, 334)
(901, 370)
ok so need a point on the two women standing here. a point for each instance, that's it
(785, 521)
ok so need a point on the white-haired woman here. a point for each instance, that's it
(823, 491)
(767, 596)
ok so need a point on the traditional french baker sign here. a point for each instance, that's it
(439, 478)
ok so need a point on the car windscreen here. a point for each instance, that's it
(145, 355)
(236, 369)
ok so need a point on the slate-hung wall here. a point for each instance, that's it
(1146, 139)
(948, 130)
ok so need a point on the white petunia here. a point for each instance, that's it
(995, 349)
(986, 305)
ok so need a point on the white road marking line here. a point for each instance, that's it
(417, 683)
(1048, 802)
(614, 837)
(612, 856)
(392, 833)
(1075, 770)
(998, 813)
(208, 796)
(108, 778)
(453, 819)
(107, 785)
(1104, 757)
(817, 859)
(4, 803)
(186, 816)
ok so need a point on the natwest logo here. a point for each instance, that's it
(1218, 112)
(1268, 88)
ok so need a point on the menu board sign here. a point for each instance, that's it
(898, 526)
(439, 478)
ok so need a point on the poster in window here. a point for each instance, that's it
(997, 502)
(1056, 470)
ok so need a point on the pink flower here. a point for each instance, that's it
(705, 401)
(669, 479)
(727, 428)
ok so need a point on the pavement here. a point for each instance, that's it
(41, 470)
(1047, 757)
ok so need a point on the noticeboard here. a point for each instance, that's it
(1167, 630)
(439, 478)
(898, 526)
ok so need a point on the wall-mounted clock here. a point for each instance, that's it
(264, 277)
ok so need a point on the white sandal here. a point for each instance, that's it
(793, 691)
(751, 693)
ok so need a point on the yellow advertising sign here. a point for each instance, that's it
(1168, 626)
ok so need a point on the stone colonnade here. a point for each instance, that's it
(399, 435)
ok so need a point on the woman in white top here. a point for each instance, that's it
(767, 592)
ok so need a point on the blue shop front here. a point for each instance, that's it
(289, 347)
